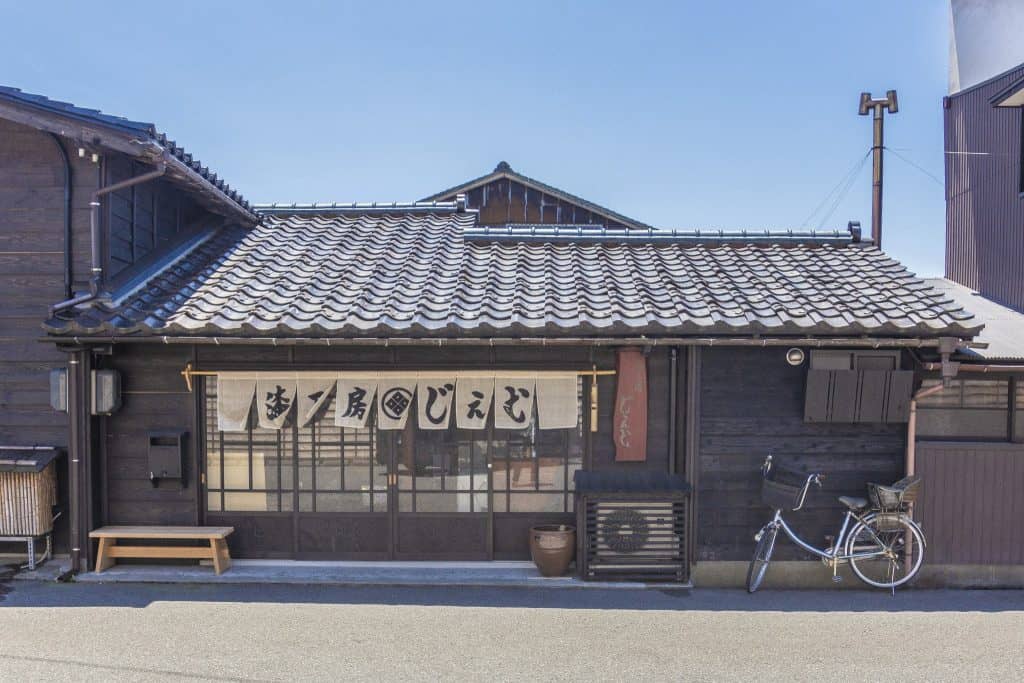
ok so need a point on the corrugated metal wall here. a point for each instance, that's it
(984, 209)
(971, 507)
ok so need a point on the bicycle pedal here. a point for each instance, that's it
(836, 578)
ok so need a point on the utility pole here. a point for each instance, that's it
(867, 104)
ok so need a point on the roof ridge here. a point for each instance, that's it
(358, 207)
(597, 233)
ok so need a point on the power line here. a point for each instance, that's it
(845, 181)
(919, 168)
(842, 194)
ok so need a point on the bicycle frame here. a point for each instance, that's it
(836, 553)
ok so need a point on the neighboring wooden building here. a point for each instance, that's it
(518, 287)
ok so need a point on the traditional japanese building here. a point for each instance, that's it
(422, 381)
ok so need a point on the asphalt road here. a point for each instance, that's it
(58, 632)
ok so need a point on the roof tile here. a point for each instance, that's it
(412, 272)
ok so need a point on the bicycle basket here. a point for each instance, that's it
(894, 497)
(782, 487)
(780, 496)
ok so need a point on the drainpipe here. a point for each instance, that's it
(949, 370)
(96, 279)
(76, 453)
(673, 388)
(912, 425)
(910, 464)
(973, 367)
(67, 215)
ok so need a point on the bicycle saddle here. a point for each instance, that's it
(853, 502)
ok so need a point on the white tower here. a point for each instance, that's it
(985, 39)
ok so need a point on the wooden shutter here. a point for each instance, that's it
(858, 396)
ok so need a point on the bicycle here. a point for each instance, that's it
(884, 546)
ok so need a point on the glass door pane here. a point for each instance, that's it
(442, 471)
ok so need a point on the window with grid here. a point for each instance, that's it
(441, 470)
(324, 468)
(533, 468)
(336, 469)
(340, 469)
(249, 471)
(967, 409)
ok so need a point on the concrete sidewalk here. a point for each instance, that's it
(293, 572)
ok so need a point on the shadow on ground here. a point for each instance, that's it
(41, 594)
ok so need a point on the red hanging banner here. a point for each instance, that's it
(629, 429)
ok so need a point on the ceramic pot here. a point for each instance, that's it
(552, 547)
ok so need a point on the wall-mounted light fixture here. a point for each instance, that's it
(795, 356)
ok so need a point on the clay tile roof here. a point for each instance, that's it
(430, 271)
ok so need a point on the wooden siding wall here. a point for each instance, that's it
(31, 278)
(32, 211)
(155, 397)
(971, 506)
(752, 404)
(507, 201)
(143, 219)
(984, 207)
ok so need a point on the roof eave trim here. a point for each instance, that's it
(121, 139)
(1006, 93)
(988, 81)
(811, 342)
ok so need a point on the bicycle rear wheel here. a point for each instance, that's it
(762, 556)
(898, 546)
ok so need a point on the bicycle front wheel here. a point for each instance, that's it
(886, 550)
(762, 556)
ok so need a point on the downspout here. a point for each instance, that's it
(949, 370)
(96, 278)
(67, 215)
(673, 388)
(910, 463)
(75, 456)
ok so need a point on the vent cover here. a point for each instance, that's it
(631, 534)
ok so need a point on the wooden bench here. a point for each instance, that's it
(215, 535)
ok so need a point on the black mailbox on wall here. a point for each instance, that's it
(166, 456)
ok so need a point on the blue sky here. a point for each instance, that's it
(680, 114)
